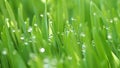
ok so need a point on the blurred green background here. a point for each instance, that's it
(59, 33)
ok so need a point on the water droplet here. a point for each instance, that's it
(42, 50)
(82, 34)
(50, 22)
(53, 62)
(94, 14)
(67, 21)
(83, 49)
(6, 19)
(4, 52)
(83, 46)
(46, 60)
(26, 43)
(50, 36)
(46, 63)
(93, 43)
(69, 58)
(30, 29)
(67, 31)
(91, 2)
(44, 1)
(115, 19)
(22, 38)
(80, 25)
(33, 37)
(48, 13)
(25, 22)
(35, 25)
(13, 31)
(73, 19)
(71, 31)
(32, 55)
(49, 39)
(47, 66)
(41, 15)
(109, 36)
(111, 21)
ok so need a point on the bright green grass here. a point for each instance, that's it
(60, 34)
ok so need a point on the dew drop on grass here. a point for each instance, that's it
(46, 63)
(30, 29)
(107, 28)
(50, 63)
(46, 60)
(50, 22)
(83, 49)
(22, 38)
(80, 25)
(33, 37)
(69, 58)
(35, 25)
(91, 2)
(13, 31)
(50, 36)
(94, 14)
(71, 31)
(67, 32)
(48, 13)
(4, 52)
(73, 19)
(7, 21)
(53, 62)
(67, 21)
(44, 1)
(25, 22)
(83, 46)
(82, 34)
(109, 36)
(26, 43)
(111, 21)
(47, 66)
(41, 15)
(93, 43)
(32, 55)
(42, 50)
(115, 19)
